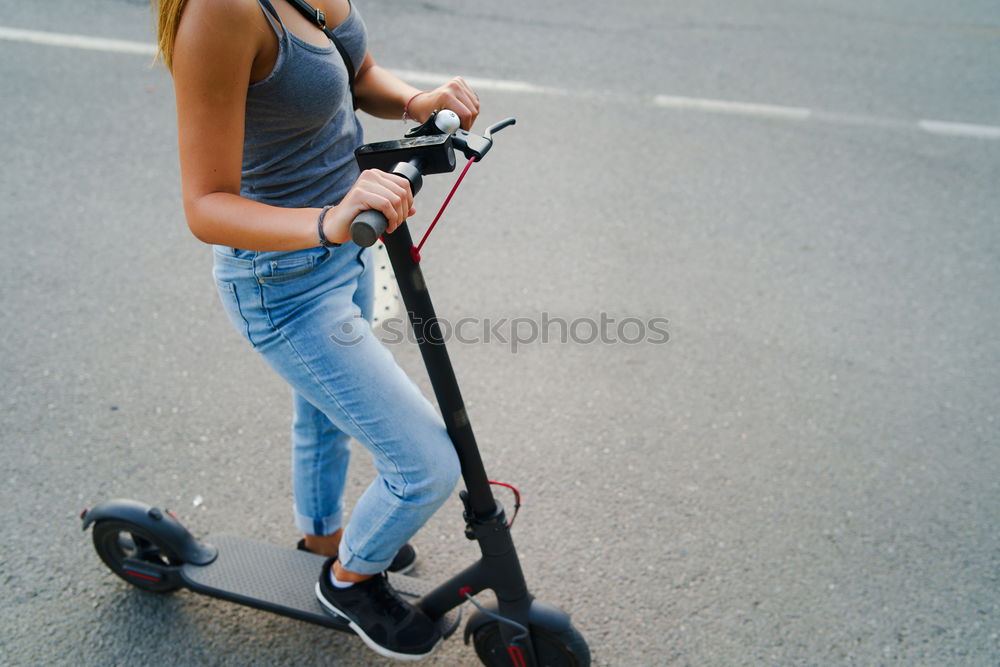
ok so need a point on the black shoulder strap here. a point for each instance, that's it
(317, 17)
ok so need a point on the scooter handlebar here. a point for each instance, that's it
(368, 227)
(427, 149)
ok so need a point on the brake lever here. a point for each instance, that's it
(496, 127)
(474, 146)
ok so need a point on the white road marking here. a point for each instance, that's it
(960, 129)
(501, 85)
(674, 102)
(77, 41)
(388, 303)
(863, 120)
(737, 108)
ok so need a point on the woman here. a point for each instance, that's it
(267, 132)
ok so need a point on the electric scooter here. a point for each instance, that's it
(151, 549)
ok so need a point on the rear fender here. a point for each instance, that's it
(161, 523)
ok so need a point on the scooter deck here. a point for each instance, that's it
(282, 580)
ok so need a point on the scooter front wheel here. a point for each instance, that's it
(135, 554)
(562, 648)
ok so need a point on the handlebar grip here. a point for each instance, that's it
(367, 227)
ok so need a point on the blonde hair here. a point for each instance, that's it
(168, 17)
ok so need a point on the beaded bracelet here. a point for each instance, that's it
(323, 241)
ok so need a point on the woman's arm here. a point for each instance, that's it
(217, 42)
(381, 93)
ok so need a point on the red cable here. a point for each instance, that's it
(516, 656)
(415, 250)
(517, 499)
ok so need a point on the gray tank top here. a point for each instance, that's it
(301, 129)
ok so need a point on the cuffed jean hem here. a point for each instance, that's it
(354, 563)
(322, 526)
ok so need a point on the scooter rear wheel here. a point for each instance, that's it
(563, 648)
(121, 542)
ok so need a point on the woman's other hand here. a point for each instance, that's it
(456, 95)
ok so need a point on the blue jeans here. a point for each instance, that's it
(308, 314)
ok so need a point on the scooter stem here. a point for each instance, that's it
(427, 331)
(499, 568)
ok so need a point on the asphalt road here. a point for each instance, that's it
(807, 472)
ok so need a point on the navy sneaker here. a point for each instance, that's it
(404, 561)
(387, 623)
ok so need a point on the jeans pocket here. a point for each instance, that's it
(284, 269)
(231, 303)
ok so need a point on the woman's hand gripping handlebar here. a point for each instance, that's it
(389, 196)
(427, 149)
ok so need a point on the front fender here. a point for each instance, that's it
(158, 522)
(540, 615)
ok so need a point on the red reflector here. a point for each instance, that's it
(140, 575)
